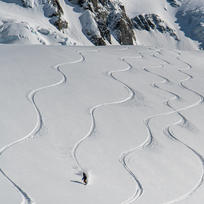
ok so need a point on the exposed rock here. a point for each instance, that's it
(111, 19)
(90, 28)
(59, 23)
(54, 11)
(122, 27)
(175, 3)
(151, 22)
(28, 3)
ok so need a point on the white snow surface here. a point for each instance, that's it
(130, 118)
(136, 7)
(13, 12)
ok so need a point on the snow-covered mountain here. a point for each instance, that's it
(162, 23)
(101, 124)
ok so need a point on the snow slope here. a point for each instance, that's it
(129, 117)
(22, 25)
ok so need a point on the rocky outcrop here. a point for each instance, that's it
(152, 22)
(28, 3)
(122, 27)
(53, 10)
(90, 28)
(175, 3)
(109, 18)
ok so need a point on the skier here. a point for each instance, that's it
(84, 178)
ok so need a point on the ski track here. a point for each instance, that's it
(148, 141)
(183, 121)
(124, 155)
(26, 199)
(150, 138)
(92, 111)
(94, 108)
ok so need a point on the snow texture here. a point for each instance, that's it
(130, 118)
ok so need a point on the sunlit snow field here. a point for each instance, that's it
(131, 118)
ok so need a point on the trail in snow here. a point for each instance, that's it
(168, 132)
(93, 125)
(139, 187)
(148, 141)
(26, 199)
(150, 138)
(124, 155)
(189, 76)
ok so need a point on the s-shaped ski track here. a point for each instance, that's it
(93, 123)
(183, 121)
(26, 198)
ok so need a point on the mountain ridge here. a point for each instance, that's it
(172, 23)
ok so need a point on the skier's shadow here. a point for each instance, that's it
(78, 182)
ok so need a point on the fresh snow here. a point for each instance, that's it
(35, 21)
(134, 8)
(131, 118)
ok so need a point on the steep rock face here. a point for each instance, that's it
(53, 10)
(121, 27)
(90, 28)
(111, 19)
(152, 22)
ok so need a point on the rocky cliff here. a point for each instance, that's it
(104, 19)
(152, 22)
